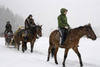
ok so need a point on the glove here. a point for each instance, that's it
(69, 28)
(66, 27)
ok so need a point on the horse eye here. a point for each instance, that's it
(87, 30)
(89, 35)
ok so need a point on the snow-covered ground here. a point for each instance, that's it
(11, 57)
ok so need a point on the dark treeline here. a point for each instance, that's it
(7, 15)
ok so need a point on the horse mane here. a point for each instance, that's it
(78, 28)
(81, 27)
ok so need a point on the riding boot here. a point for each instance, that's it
(62, 39)
(62, 36)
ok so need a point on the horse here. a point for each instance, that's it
(31, 36)
(8, 37)
(71, 42)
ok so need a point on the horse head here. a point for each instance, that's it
(39, 30)
(89, 32)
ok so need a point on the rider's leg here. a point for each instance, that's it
(63, 35)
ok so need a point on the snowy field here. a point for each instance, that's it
(11, 57)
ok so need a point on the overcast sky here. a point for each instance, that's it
(45, 12)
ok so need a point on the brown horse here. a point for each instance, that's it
(71, 41)
(20, 35)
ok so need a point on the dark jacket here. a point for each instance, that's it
(29, 23)
(8, 27)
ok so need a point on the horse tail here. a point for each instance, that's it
(52, 51)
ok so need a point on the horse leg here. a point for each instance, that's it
(79, 56)
(23, 47)
(16, 44)
(49, 51)
(18, 47)
(55, 54)
(25, 43)
(26, 46)
(65, 56)
(32, 45)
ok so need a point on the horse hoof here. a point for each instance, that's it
(31, 51)
(56, 62)
(47, 60)
(63, 65)
(81, 66)
(18, 49)
(23, 51)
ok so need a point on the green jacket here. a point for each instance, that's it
(62, 19)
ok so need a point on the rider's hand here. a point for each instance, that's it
(66, 27)
(69, 28)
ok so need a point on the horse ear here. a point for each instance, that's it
(89, 24)
(40, 25)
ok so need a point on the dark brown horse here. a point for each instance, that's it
(20, 35)
(71, 41)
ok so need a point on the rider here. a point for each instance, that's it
(8, 28)
(63, 24)
(29, 22)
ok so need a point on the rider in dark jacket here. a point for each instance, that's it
(29, 22)
(8, 28)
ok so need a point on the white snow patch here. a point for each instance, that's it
(11, 57)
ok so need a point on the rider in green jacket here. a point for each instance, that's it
(63, 24)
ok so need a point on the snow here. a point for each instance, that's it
(11, 57)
